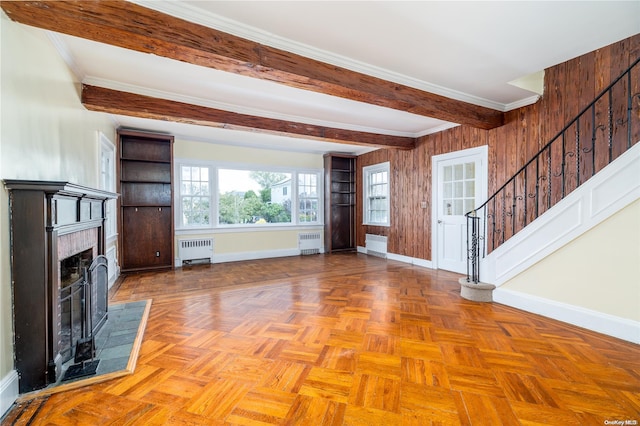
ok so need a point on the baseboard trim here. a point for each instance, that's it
(411, 260)
(600, 322)
(400, 258)
(8, 391)
(254, 255)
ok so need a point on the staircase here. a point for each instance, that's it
(586, 173)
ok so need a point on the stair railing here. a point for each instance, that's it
(600, 133)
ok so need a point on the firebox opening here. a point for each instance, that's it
(72, 267)
(72, 297)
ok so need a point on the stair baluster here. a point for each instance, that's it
(508, 210)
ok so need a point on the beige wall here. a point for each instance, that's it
(239, 240)
(243, 242)
(598, 270)
(45, 134)
(204, 151)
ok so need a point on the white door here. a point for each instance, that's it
(460, 187)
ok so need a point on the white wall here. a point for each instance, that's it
(45, 134)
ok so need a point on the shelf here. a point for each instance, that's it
(145, 172)
(145, 149)
(146, 205)
(146, 160)
(146, 181)
(146, 194)
(340, 192)
(143, 160)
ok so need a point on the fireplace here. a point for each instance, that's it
(57, 232)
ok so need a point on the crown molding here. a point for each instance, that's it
(211, 20)
(62, 49)
(521, 103)
(65, 54)
(139, 90)
(440, 128)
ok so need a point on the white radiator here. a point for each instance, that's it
(195, 249)
(376, 245)
(309, 242)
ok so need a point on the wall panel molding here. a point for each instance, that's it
(612, 189)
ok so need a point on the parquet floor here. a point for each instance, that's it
(347, 339)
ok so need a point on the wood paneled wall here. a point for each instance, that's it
(569, 87)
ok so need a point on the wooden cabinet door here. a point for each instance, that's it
(341, 228)
(147, 237)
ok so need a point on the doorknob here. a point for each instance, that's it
(439, 221)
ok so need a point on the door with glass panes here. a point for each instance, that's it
(461, 183)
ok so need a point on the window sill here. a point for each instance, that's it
(238, 229)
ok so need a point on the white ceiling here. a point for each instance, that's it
(468, 51)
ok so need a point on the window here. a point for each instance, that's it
(253, 197)
(459, 188)
(376, 194)
(214, 196)
(308, 201)
(195, 196)
(108, 182)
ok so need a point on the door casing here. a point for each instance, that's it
(465, 155)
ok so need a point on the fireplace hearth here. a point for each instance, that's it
(57, 230)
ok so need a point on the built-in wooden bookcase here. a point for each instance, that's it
(146, 201)
(340, 202)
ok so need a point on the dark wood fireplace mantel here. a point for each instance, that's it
(42, 212)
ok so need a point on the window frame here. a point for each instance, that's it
(214, 187)
(318, 198)
(181, 196)
(107, 182)
(367, 173)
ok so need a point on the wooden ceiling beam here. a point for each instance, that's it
(134, 105)
(130, 26)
